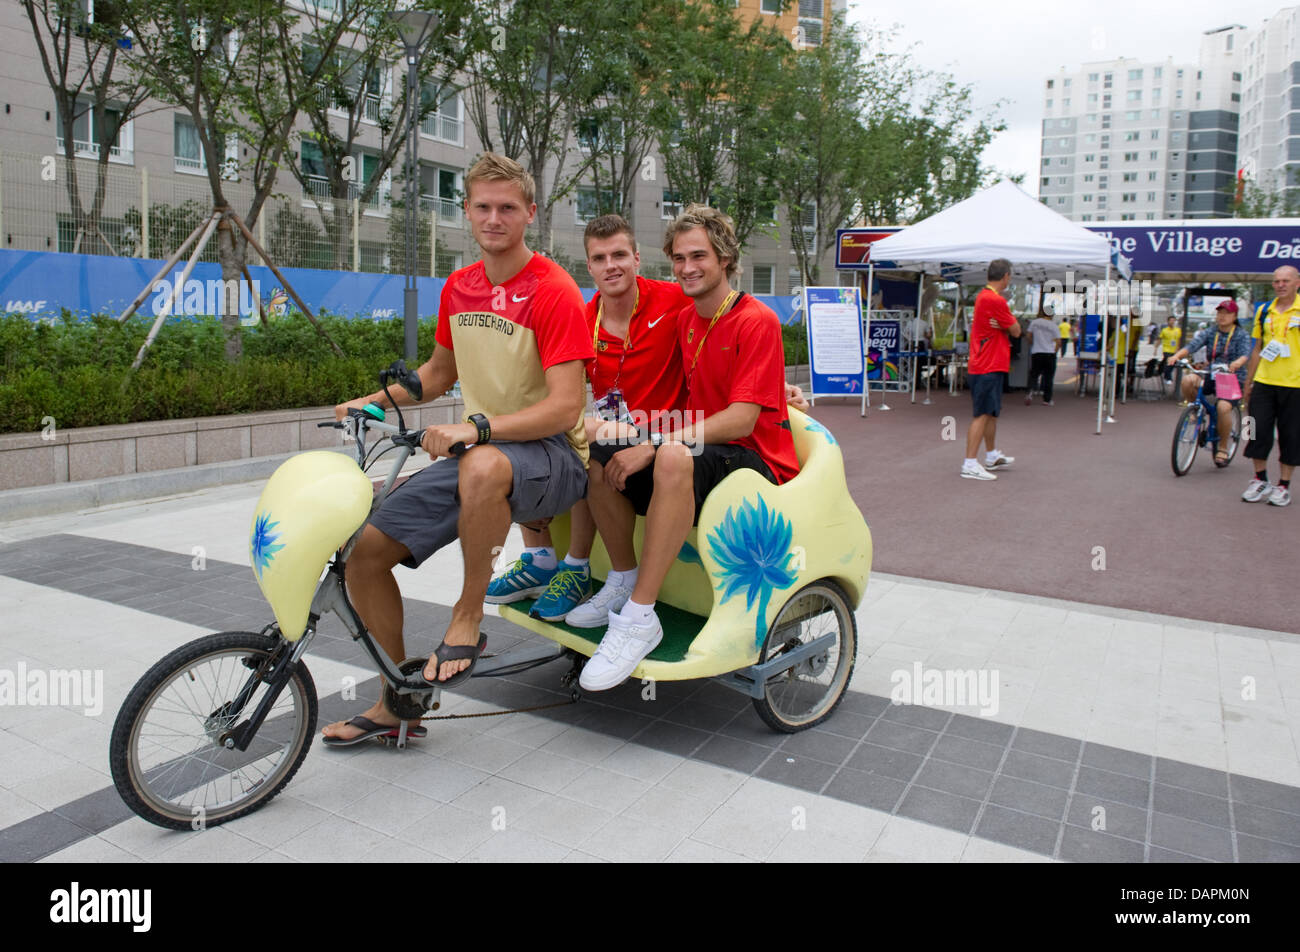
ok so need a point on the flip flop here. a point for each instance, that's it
(371, 729)
(446, 652)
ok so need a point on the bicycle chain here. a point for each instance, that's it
(574, 697)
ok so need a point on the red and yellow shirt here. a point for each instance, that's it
(505, 338)
(742, 361)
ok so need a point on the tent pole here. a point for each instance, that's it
(916, 364)
(1110, 414)
(866, 343)
(1101, 350)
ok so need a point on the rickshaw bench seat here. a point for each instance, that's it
(755, 546)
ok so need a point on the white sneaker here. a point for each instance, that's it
(1281, 496)
(1257, 491)
(595, 611)
(975, 472)
(998, 461)
(624, 646)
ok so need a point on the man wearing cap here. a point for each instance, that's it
(1224, 343)
(1272, 389)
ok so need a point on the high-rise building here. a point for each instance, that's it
(1135, 140)
(1270, 104)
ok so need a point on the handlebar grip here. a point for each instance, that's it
(458, 448)
(336, 424)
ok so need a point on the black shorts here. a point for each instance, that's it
(986, 393)
(715, 462)
(1275, 407)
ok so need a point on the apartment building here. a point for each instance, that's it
(156, 161)
(1143, 140)
(1270, 106)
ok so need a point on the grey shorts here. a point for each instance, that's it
(424, 512)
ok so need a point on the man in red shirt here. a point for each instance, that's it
(990, 362)
(511, 330)
(636, 371)
(736, 418)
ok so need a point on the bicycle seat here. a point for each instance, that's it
(755, 546)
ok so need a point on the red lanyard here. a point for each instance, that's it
(627, 338)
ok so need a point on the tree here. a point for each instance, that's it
(613, 125)
(1248, 198)
(80, 57)
(229, 65)
(530, 64)
(712, 108)
(351, 93)
(823, 142)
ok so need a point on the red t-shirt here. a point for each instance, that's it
(990, 345)
(742, 361)
(506, 337)
(650, 375)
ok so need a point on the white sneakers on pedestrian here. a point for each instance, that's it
(595, 611)
(975, 471)
(1281, 496)
(997, 459)
(1258, 491)
(624, 646)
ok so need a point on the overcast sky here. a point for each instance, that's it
(1007, 49)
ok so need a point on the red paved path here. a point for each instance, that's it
(1034, 529)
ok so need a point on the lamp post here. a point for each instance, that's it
(415, 26)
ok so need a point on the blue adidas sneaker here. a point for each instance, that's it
(522, 580)
(569, 588)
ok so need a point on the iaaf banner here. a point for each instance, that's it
(1209, 247)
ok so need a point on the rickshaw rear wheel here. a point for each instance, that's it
(805, 695)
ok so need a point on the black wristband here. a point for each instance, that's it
(484, 428)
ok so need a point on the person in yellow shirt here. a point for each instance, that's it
(1064, 331)
(1170, 334)
(1273, 389)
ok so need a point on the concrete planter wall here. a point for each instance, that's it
(99, 457)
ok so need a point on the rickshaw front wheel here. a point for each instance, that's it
(808, 693)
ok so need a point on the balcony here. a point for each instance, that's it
(316, 189)
(450, 212)
(444, 128)
(370, 108)
(90, 150)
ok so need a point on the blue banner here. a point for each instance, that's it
(42, 283)
(834, 325)
(1205, 247)
(883, 348)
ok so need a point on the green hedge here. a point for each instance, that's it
(77, 371)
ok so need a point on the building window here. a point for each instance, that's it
(1090, 157)
(773, 8)
(1129, 197)
(1130, 156)
(1151, 176)
(1130, 176)
(1087, 198)
(591, 204)
(1158, 72)
(1092, 77)
(1135, 95)
(1155, 113)
(1155, 134)
(1133, 136)
(446, 123)
(1049, 104)
(87, 140)
(1236, 97)
(1062, 142)
(1088, 178)
(1236, 77)
(1046, 181)
(671, 205)
(188, 149)
(764, 278)
(1062, 161)
(1066, 83)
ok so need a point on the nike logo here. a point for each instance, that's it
(657, 319)
(516, 298)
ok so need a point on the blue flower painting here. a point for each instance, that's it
(263, 546)
(815, 427)
(752, 549)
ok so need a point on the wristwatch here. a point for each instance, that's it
(484, 428)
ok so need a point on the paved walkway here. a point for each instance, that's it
(1117, 735)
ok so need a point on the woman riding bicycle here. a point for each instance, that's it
(1225, 343)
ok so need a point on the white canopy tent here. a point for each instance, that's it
(1004, 221)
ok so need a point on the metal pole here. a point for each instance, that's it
(866, 343)
(144, 213)
(411, 296)
(356, 233)
(1101, 351)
